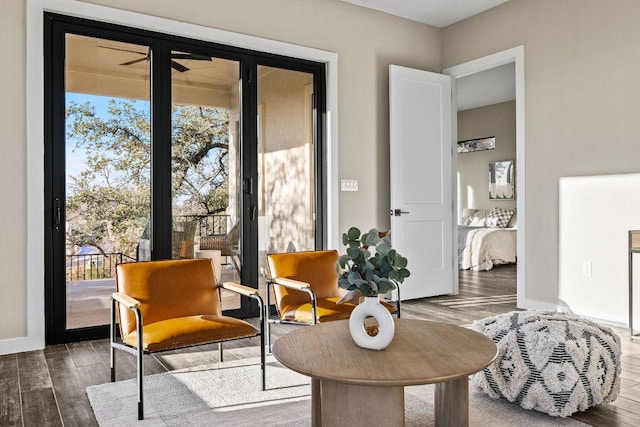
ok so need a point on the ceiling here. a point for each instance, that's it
(439, 13)
(487, 87)
(123, 70)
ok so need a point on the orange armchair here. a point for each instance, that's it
(305, 285)
(166, 305)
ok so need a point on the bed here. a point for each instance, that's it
(481, 247)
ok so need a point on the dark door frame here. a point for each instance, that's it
(56, 26)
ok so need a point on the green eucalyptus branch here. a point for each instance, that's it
(370, 274)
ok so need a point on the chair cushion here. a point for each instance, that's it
(190, 330)
(551, 362)
(328, 310)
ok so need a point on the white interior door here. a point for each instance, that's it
(421, 159)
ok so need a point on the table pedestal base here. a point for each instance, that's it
(452, 403)
(356, 405)
(334, 403)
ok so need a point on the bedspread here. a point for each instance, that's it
(480, 248)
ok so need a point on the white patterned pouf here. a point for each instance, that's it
(551, 362)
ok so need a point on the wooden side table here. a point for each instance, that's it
(357, 387)
(634, 247)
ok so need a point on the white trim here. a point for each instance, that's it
(516, 55)
(531, 304)
(35, 129)
(454, 184)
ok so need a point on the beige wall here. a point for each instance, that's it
(497, 120)
(365, 41)
(581, 102)
(13, 173)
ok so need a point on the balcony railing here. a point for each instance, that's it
(209, 224)
(94, 266)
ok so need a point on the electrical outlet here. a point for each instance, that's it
(349, 185)
(586, 268)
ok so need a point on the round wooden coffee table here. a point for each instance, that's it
(358, 387)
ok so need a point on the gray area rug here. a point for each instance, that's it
(228, 394)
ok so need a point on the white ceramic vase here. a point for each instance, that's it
(371, 307)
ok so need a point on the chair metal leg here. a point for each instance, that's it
(314, 304)
(398, 301)
(220, 356)
(262, 351)
(112, 339)
(140, 352)
(140, 381)
(268, 332)
(266, 315)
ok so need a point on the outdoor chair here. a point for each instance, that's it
(166, 305)
(305, 286)
(227, 244)
(183, 239)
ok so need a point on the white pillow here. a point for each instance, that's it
(466, 219)
(479, 219)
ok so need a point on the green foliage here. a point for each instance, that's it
(370, 274)
(109, 199)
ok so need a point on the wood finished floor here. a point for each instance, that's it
(47, 387)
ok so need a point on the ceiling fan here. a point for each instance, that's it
(147, 55)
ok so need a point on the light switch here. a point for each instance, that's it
(349, 185)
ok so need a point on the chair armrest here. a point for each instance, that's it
(291, 283)
(300, 286)
(239, 288)
(247, 291)
(125, 299)
(133, 305)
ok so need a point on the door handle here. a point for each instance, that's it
(398, 212)
(57, 214)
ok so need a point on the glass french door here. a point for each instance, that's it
(107, 172)
(158, 147)
(205, 164)
(286, 154)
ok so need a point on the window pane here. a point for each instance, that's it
(107, 164)
(286, 199)
(205, 164)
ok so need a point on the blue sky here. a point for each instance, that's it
(75, 157)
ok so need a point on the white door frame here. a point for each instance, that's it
(513, 55)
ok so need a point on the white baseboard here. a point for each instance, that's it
(19, 345)
(529, 304)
